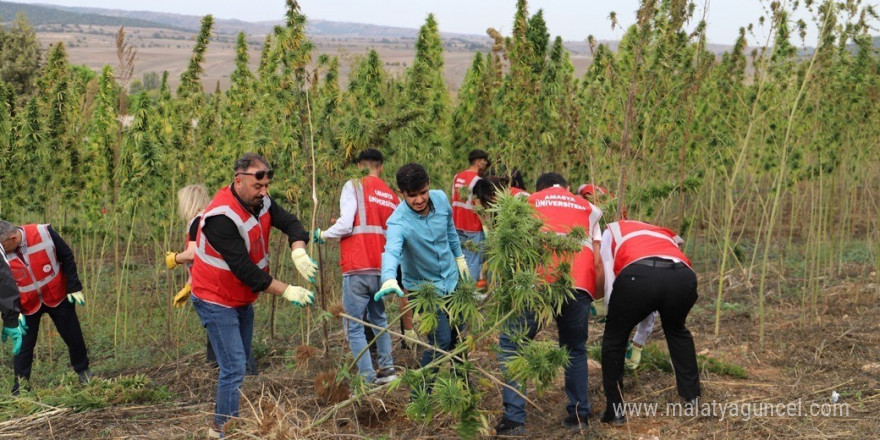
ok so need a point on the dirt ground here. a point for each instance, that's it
(799, 367)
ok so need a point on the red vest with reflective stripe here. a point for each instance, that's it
(518, 192)
(362, 250)
(39, 278)
(561, 211)
(632, 241)
(463, 214)
(212, 281)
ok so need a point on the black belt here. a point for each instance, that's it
(659, 262)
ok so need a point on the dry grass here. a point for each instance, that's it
(800, 362)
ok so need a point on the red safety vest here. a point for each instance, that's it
(518, 192)
(463, 214)
(633, 240)
(212, 281)
(561, 211)
(362, 250)
(39, 277)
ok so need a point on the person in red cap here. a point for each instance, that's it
(466, 221)
(645, 270)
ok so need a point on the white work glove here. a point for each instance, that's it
(22, 324)
(412, 338)
(299, 296)
(305, 265)
(78, 297)
(389, 286)
(633, 356)
(463, 270)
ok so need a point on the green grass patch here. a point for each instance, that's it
(98, 393)
(655, 358)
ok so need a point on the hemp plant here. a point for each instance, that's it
(518, 252)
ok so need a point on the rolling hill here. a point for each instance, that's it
(43, 15)
(227, 26)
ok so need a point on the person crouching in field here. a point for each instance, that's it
(44, 269)
(231, 267)
(561, 211)
(365, 205)
(646, 271)
(422, 240)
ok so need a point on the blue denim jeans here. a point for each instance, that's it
(572, 326)
(357, 298)
(445, 337)
(230, 331)
(473, 259)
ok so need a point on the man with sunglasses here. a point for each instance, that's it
(231, 267)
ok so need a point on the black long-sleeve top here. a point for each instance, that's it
(222, 234)
(67, 261)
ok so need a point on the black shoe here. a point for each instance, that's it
(84, 376)
(507, 428)
(609, 416)
(576, 422)
(17, 386)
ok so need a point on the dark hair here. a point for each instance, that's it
(372, 155)
(247, 160)
(547, 180)
(411, 177)
(477, 154)
(516, 180)
(485, 190)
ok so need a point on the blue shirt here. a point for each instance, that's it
(425, 247)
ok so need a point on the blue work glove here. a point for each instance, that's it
(389, 286)
(15, 334)
(318, 236)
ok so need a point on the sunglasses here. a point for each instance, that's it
(260, 175)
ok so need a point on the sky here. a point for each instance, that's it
(571, 19)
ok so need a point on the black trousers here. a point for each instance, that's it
(639, 290)
(64, 317)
